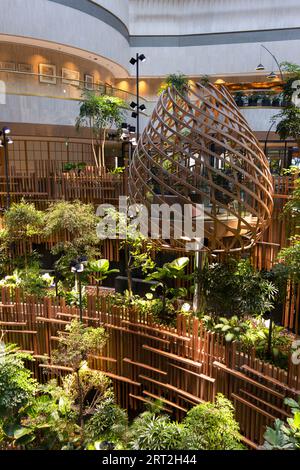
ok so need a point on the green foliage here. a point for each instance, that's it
(87, 388)
(76, 218)
(31, 281)
(169, 271)
(109, 423)
(233, 328)
(23, 221)
(289, 124)
(76, 343)
(278, 275)
(137, 248)
(62, 417)
(289, 117)
(281, 342)
(253, 333)
(74, 167)
(100, 113)
(48, 422)
(153, 432)
(290, 256)
(292, 72)
(173, 270)
(82, 414)
(285, 436)
(292, 207)
(17, 386)
(118, 171)
(80, 222)
(236, 288)
(148, 306)
(72, 296)
(84, 386)
(100, 270)
(211, 426)
(176, 80)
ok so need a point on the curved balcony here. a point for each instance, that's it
(45, 99)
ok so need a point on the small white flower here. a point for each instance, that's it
(185, 308)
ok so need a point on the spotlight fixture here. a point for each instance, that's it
(6, 130)
(128, 134)
(260, 66)
(140, 57)
(77, 267)
(136, 105)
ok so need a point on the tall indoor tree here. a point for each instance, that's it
(288, 120)
(100, 113)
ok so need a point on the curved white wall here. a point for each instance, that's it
(178, 17)
(119, 8)
(218, 59)
(54, 22)
(259, 119)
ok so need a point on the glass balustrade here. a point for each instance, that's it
(57, 87)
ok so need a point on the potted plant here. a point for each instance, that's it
(176, 80)
(266, 100)
(239, 98)
(80, 167)
(276, 101)
(253, 99)
(69, 167)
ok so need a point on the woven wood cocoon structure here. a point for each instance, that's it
(198, 149)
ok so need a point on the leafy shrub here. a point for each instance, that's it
(79, 221)
(285, 436)
(48, 422)
(254, 333)
(31, 281)
(109, 423)
(17, 386)
(153, 432)
(176, 80)
(211, 426)
(236, 288)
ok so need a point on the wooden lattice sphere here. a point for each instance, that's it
(198, 148)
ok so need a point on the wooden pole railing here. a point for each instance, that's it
(183, 365)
